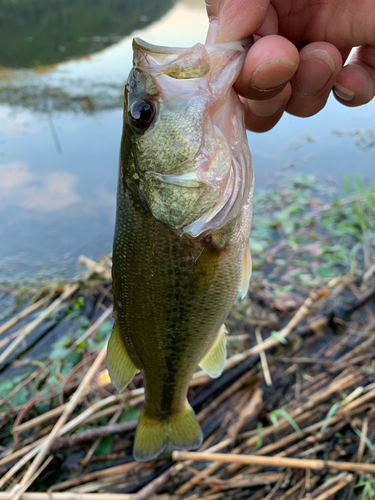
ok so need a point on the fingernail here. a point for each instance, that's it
(315, 69)
(343, 93)
(273, 73)
(266, 108)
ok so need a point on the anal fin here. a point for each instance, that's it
(214, 361)
(246, 272)
(121, 368)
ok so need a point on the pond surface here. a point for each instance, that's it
(60, 129)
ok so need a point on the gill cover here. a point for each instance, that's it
(193, 162)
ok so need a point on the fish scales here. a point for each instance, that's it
(180, 240)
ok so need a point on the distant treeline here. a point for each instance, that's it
(43, 32)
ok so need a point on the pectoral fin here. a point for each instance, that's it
(214, 361)
(246, 272)
(121, 368)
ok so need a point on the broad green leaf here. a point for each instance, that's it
(105, 446)
(5, 387)
(20, 398)
(130, 414)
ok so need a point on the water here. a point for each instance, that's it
(60, 129)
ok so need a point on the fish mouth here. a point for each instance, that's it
(149, 48)
(183, 63)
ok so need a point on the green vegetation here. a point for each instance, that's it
(319, 234)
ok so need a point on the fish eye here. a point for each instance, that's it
(142, 113)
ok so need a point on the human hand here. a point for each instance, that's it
(298, 57)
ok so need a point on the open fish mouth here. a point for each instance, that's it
(184, 63)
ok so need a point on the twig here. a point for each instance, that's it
(362, 442)
(23, 314)
(273, 461)
(97, 442)
(40, 419)
(263, 358)
(32, 376)
(247, 414)
(368, 274)
(157, 483)
(91, 329)
(69, 495)
(117, 470)
(35, 475)
(95, 267)
(363, 399)
(361, 301)
(11, 457)
(331, 487)
(209, 408)
(68, 292)
(57, 411)
(92, 434)
(31, 450)
(197, 478)
(275, 488)
(283, 333)
(78, 395)
(248, 482)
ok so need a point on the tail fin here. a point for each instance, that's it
(181, 431)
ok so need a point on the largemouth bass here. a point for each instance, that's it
(181, 245)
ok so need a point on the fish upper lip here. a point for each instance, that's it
(138, 43)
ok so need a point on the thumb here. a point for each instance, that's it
(234, 19)
(355, 84)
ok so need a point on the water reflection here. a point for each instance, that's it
(41, 32)
(19, 187)
(17, 122)
(364, 139)
(97, 82)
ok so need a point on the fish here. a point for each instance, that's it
(181, 245)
